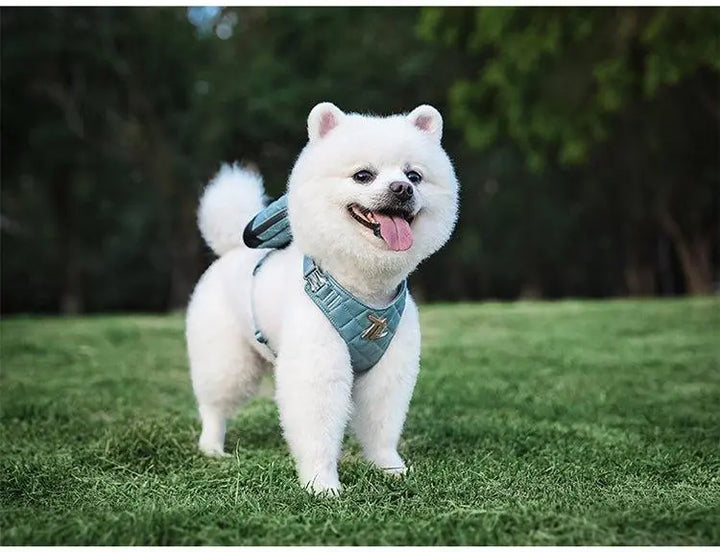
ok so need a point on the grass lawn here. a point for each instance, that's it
(532, 423)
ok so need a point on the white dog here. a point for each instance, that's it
(368, 199)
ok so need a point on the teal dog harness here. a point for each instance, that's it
(366, 331)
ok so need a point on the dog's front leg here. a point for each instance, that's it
(313, 389)
(382, 395)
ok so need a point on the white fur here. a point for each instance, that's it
(316, 392)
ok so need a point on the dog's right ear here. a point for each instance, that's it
(427, 119)
(322, 119)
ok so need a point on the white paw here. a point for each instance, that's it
(324, 485)
(389, 461)
(213, 450)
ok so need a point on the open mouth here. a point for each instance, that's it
(390, 225)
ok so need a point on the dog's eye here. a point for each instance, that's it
(363, 177)
(414, 176)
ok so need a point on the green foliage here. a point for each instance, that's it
(571, 423)
(280, 63)
(551, 79)
(611, 98)
(679, 43)
(93, 163)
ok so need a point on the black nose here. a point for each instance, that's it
(403, 190)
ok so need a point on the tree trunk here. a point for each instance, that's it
(639, 279)
(71, 298)
(177, 217)
(184, 246)
(531, 290)
(694, 255)
(640, 229)
(639, 263)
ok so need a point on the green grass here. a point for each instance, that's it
(532, 423)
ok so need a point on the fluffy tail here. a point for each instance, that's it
(230, 200)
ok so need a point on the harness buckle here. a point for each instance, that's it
(315, 280)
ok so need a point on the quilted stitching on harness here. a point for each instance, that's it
(350, 317)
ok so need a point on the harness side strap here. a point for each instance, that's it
(260, 337)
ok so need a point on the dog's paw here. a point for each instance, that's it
(388, 461)
(213, 450)
(324, 486)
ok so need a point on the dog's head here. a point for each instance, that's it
(378, 192)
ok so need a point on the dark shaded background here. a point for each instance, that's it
(586, 141)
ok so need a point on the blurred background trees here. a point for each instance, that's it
(586, 140)
(634, 90)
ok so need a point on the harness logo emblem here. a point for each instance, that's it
(377, 328)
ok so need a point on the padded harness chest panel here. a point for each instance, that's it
(367, 331)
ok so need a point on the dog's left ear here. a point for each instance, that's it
(427, 119)
(322, 119)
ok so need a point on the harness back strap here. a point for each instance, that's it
(270, 228)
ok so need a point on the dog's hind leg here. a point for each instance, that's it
(212, 438)
(225, 369)
(223, 382)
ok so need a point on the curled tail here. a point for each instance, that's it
(229, 201)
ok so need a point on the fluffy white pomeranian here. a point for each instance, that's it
(368, 199)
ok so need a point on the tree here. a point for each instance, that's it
(564, 83)
(97, 135)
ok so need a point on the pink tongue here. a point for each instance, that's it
(395, 231)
